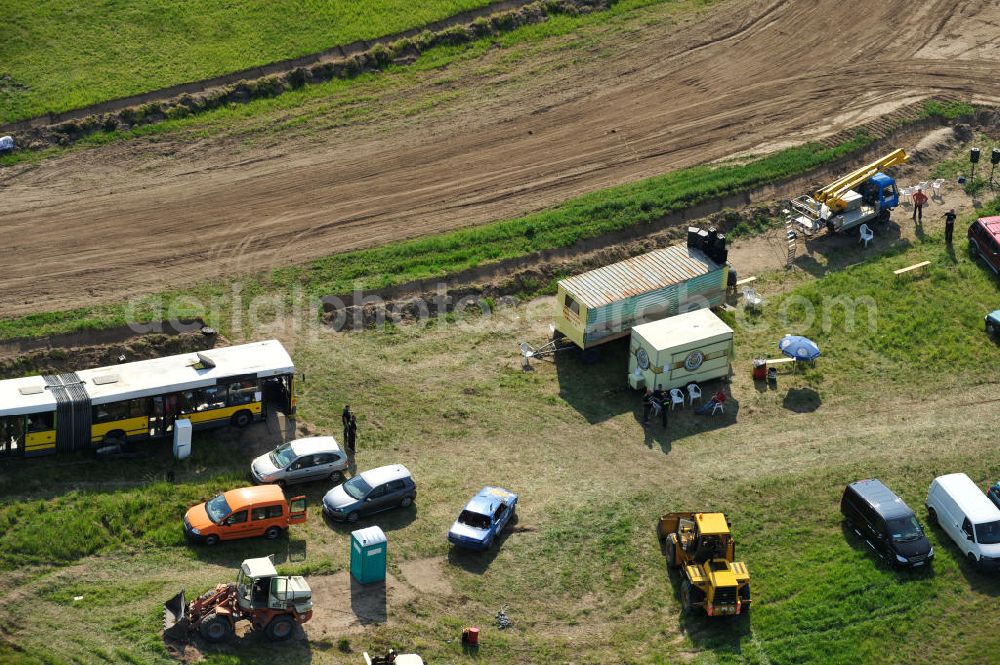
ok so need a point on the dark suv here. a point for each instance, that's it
(984, 241)
(886, 523)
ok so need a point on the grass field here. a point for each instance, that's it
(400, 92)
(582, 577)
(60, 55)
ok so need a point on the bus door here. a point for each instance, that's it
(12, 436)
(278, 393)
(164, 413)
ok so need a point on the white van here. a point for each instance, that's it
(968, 517)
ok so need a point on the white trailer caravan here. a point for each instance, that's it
(673, 352)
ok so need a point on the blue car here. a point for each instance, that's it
(483, 518)
(993, 323)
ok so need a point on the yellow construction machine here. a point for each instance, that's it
(861, 196)
(702, 548)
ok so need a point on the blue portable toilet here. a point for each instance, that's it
(368, 561)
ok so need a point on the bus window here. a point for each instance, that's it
(138, 408)
(110, 412)
(242, 392)
(12, 435)
(186, 402)
(213, 397)
(41, 422)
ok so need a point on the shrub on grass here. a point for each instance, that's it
(380, 55)
(296, 78)
(453, 36)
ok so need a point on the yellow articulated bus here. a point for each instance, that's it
(233, 385)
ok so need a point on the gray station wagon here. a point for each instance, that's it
(371, 492)
(300, 461)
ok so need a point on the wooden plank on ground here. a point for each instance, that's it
(915, 266)
(746, 280)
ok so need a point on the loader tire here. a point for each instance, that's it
(215, 628)
(745, 599)
(280, 628)
(671, 547)
(687, 602)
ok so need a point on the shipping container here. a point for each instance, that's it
(605, 304)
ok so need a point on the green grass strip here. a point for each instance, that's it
(61, 54)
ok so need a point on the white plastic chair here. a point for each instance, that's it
(694, 393)
(751, 300)
(866, 234)
(922, 185)
(907, 192)
(718, 406)
(936, 186)
(676, 397)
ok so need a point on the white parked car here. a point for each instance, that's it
(300, 461)
(968, 517)
(6, 144)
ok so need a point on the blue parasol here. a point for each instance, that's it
(798, 347)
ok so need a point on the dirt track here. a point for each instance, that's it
(103, 225)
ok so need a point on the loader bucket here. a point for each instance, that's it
(175, 618)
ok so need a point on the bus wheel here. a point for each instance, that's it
(242, 418)
(114, 438)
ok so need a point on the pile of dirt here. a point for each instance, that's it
(71, 359)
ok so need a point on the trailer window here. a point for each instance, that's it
(572, 305)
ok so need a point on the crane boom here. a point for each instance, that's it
(832, 195)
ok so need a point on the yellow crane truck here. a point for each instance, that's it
(701, 546)
(861, 196)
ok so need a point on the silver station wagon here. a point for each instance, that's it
(300, 461)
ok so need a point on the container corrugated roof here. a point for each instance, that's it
(637, 275)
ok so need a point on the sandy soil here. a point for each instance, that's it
(105, 224)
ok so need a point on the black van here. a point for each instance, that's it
(886, 523)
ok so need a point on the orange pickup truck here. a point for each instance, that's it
(244, 513)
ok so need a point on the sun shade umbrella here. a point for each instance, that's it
(798, 347)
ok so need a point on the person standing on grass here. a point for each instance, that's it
(660, 399)
(919, 199)
(345, 420)
(949, 226)
(352, 435)
(647, 406)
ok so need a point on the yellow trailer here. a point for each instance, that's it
(604, 304)
(692, 347)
